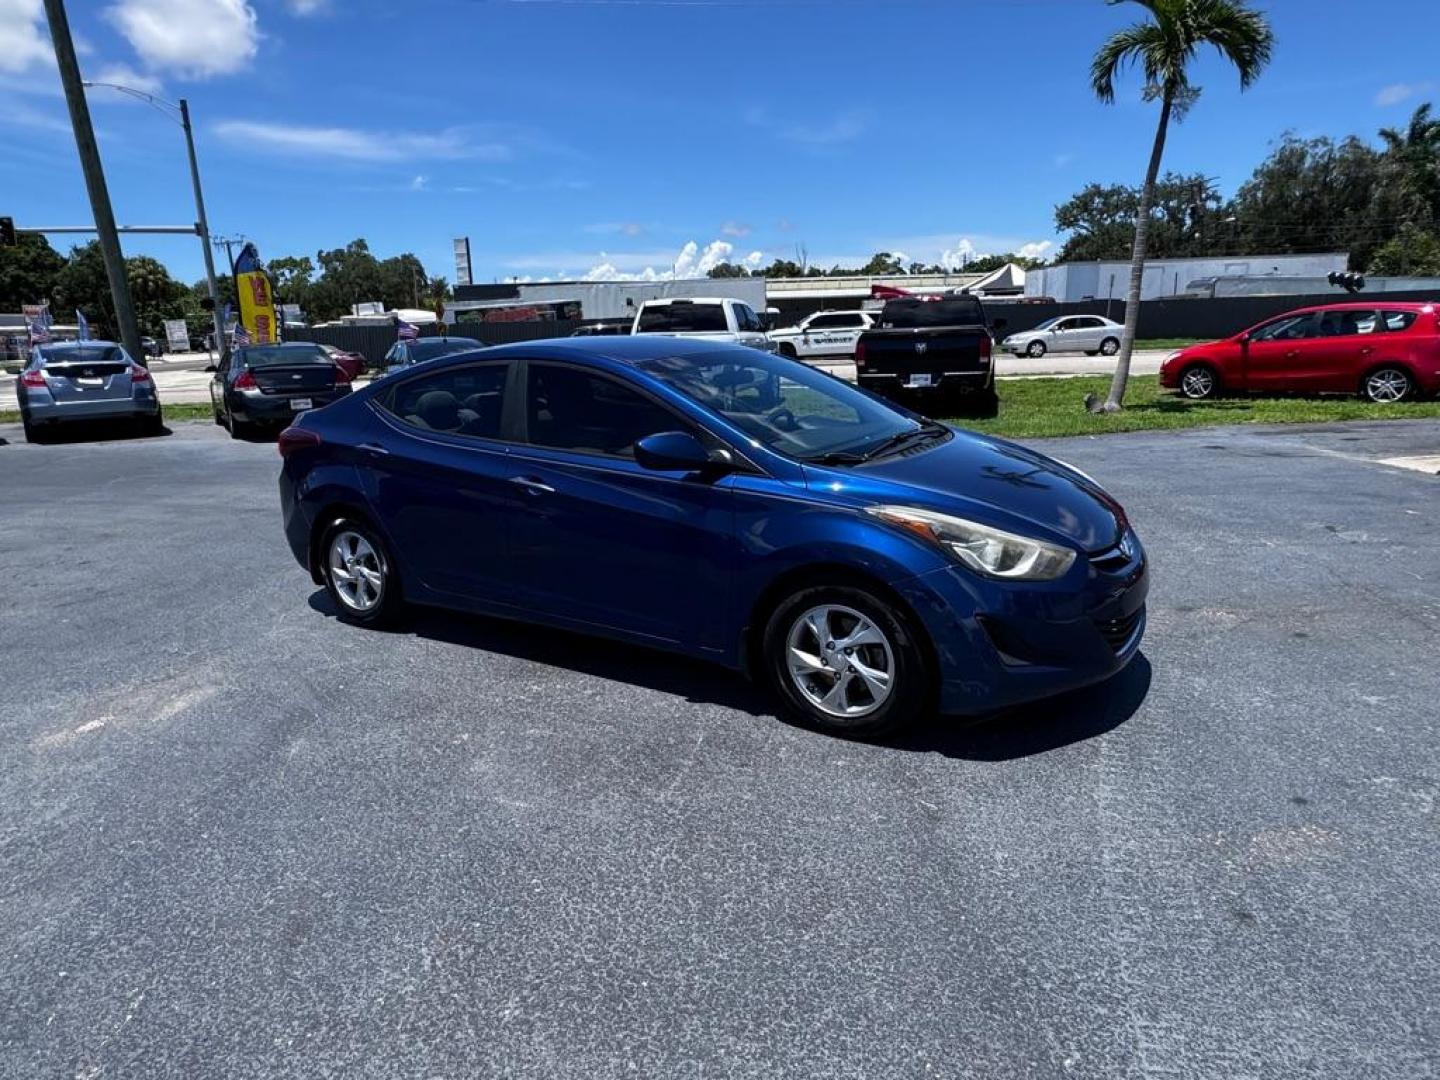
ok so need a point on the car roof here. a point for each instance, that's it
(618, 349)
(53, 346)
(1371, 305)
(281, 345)
(692, 300)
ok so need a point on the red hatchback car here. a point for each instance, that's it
(1383, 351)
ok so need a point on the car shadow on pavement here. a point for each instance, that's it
(670, 673)
(81, 431)
(1039, 727)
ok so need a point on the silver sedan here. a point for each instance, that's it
(84, 380)
(1090, 334)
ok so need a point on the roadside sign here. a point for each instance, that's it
(177, 335)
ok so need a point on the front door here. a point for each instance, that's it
(1275, 357)
(436, 472)
(598, 540)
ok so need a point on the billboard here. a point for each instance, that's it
(462, 261)
(257, 302)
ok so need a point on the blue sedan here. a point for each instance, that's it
(869, 564)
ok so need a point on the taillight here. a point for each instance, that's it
(245, 380)
(985, 347)
(32, 378)
(294, 438)
(859, 355)
(341, 375)
(139, 374)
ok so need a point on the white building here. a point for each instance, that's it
(1072, 282)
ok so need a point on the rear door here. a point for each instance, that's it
(87, 374)
(437, 475)
(601, 541)
(1335, 357)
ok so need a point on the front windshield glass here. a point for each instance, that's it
(1047, 324)
(783, 405)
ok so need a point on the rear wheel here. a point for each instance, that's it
(359, 574)
(239, 429)
(1387, 384)
(845, 661)
(1199, 381)
(32, 431)
(152, 425)
(1035, 350)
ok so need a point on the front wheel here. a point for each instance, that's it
(1035, 350)
(1199, 382)
(359, 574)
(1110, 346)
(844, 661)
(788, 351)
(1388, 384)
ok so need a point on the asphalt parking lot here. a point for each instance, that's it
(241, 839)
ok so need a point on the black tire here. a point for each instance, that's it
(788, 350)
(1035, 350)
(384, 611)
(1199, 382)
(33, 434)
(152, 425)
(239, 429)
(908, 699)
(1387, 385)
(1110, 347)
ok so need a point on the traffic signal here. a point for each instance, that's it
(1351, 283)
(7, 232)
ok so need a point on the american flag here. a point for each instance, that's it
(408, 331)
(240, 335)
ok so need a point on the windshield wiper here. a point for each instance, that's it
(928, 430)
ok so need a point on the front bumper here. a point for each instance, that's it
(1000, 644)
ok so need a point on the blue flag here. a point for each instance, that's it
(84, 325)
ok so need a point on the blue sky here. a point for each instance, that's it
(611, 136)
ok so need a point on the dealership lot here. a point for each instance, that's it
(243, 839)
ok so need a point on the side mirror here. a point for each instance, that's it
(1245, 338)
(671, 451)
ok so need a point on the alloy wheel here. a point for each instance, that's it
(1035, 349)
(1109, 347)
(1387, 385)
(356, 570)
(840, 661)
(1198, 383)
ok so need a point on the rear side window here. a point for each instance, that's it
(917, 314)
(456, 401)
(570, 409)
(1346, 323)
(1397, 321)
(829, 322)
(683, 318)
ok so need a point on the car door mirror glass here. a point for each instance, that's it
(670, 451)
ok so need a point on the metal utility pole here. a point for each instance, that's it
(204, 229)
(94, 175)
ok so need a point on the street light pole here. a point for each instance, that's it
(94, 176)
(204, 227)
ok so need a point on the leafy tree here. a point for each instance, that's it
(1414, 252)
(882, 262)
(28, 271)
(728, 270)
(1415, 154)
(782, 268)
(1164, 46)
(82, 284)
(1187, 218)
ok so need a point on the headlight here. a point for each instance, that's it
(1174, 355)
(980, 547)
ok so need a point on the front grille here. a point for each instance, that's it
(1118, 632)
(1114, 559)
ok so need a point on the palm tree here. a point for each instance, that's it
(1416, 151)
(1163, 46)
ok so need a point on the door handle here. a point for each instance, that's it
(1367, 350)
(532, 485)
(373, 448)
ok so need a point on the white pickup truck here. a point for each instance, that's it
(824, 334)
(710, 318)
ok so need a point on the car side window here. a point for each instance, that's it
(1286, 328)
(1345, 323)
(1398, 321)
(570, 409)
(456, 401)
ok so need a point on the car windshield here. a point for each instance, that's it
(783, 405)
(1047, 324)
(682, 317)
(91, 354)
(289, 354)
(429, 350)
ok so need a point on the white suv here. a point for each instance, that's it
(710, 318)
(826, 333)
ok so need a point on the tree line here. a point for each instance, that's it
(1380, 203)
(324, 286)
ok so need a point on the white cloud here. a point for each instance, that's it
(23, 39)
(1395, 93)
(691, 261)
(355, 144)
(124, 75)
(189, 38)
(307, 7)
(735, 228)
(1036, 249)
(956, 257)
(420, 183)
(622, 228)
(753, 260)
(818, 134)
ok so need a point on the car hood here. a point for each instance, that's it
(989, 480)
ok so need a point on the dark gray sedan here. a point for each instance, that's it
(271, 384)
(68, 381)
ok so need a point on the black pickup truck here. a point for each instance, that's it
(924, 349)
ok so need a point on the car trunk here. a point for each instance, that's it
(294, 378)
(88, 381)
(925, 351)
